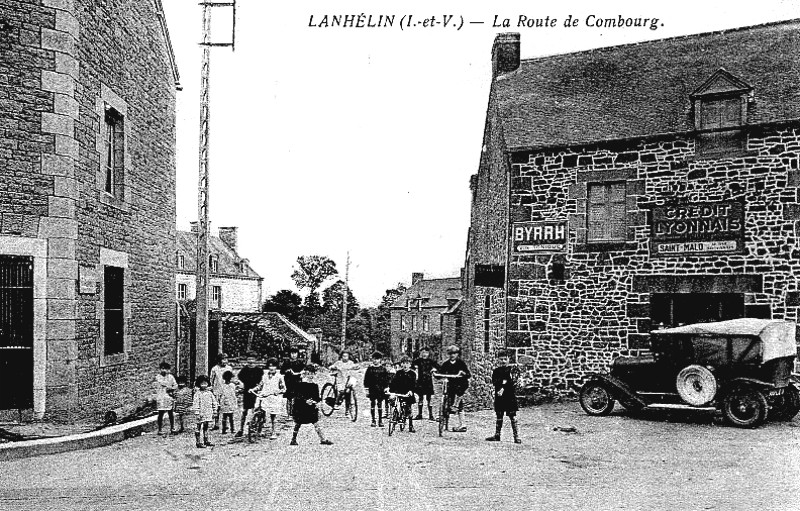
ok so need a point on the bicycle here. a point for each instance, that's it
(446, 405)
(332, 398)
(258, 420)
(400, 414)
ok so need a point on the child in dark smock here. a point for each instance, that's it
(305, 409)
(403, 383)
(505, 398)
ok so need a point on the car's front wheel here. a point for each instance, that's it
(596, 398)
(787, 406)
(745, 407)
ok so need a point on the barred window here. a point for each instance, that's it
(114, 301)
(216, 297)
(606, 212)
(181, 291)
(113, 157)
(487, 309)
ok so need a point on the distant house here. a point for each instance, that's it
(426, 314)
(233, 285)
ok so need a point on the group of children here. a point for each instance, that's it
(216, 396)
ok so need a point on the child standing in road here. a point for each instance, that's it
(306, 406)
(227, 401)
(204, 406)
(249, 376)
(271, 390)
(424, 366)
(343, 370)
(376, 379)
(183, 401)
(403, 384)
(505, 398)
(165, 390)
(291, 370)
(217, 382)
(456, 368)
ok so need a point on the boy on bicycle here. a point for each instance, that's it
(343, 369)
(457, 386)
(403, 384)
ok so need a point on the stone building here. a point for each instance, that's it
(627, 187)
(233, 285)
(87, 204)
(427, 314)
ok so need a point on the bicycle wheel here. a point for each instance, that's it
(328, 396)
(444, 411)
(256, 426)
(289, 406)
(353, 406)
(393, 421)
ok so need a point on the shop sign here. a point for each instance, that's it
(700, 228)
(538, 237)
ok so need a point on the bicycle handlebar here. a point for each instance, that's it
(459, 375)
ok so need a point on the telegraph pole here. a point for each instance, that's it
(344, 300)
(201, 295)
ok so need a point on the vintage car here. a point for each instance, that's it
(742, 367)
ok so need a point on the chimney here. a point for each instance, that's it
(195, 227)
(505, 53)
(416, 278)
(228, 236)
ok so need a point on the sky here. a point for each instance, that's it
(329, 140)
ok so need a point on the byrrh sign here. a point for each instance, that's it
(528, 237)
(700, 228)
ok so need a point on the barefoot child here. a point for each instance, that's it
(165, 390)
(183, 401)
(227, 401)
(271, 390)
(505, 398)
(306, 405)
(204, 407)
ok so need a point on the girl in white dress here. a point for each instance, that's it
(271, 391)
(218, 383)
(165, 390)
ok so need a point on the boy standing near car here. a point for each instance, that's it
(505, 398)
(458, 384)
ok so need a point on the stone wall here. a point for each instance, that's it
(431, 338)
(600, 310)
(238, 294)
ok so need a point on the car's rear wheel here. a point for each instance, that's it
(788, 405)
(596, 398)
(745, 407)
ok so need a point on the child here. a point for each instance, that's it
(227, 401)
(458, 384)
(391, 369)
(343, 369)
(291, 370)
(249, 376)
(424, 366)
(183, 400)
(376, 379)
(403, 384)
(217, 383)
(271, 390)
(505, 398)
(306, 405)
(165, 389)
(204, 406)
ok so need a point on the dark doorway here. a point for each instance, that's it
(675, 309)
(16, 332)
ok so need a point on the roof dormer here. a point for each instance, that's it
(720, 111)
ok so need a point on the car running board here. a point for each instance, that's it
(675, 406)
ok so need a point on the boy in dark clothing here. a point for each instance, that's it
(306, 405)
(505, 398)
(376, 379)
(249, 376)
(291, 370)
(403, 384)
(457, 386)
(424, 366)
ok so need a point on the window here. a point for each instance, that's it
(426, 323)
(414, 324)
(181, 261)
(606, 212)
(114, 319)
(718, 114)
(213, 264)
(181, 291)
(403, 323)
(490, 275)
(487, 309)
(113, 157)
(216, 297)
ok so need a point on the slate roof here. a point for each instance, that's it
(642, 89)
(436, 292)
(227, 257)
(273, 322)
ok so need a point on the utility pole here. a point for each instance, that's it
(201, 295)
(344, 300)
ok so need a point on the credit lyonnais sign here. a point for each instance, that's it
(698, 228)
(532, 237)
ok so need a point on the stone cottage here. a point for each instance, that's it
(629, 187)
(427, 314)
(87, 204)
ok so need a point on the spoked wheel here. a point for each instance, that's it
(596, 399)
(289, 406)
(353, 406)
(444, 413)
(393, 421)
(402, 420)
(745, 407)
(788, 406)
(256, 426)
(328, 402)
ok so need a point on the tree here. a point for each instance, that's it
(382, 329)
(330, 320)
(285, 302)
(312, 271)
